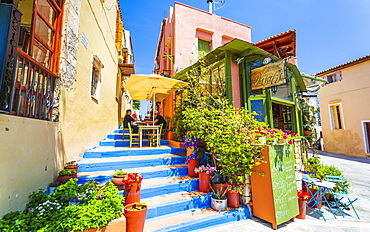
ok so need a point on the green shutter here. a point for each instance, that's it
(204, 47)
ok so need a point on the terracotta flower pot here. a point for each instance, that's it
(233, 200)
(307, 133)
(72, 167)
(117, 180)
(191, 166)
(302, 208)
(65, 178)
(135, 220)
(218, 187)
(132, 193)
(204, 182)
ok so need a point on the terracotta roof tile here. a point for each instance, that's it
(345, 65)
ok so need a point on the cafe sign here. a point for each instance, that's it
(268, 75)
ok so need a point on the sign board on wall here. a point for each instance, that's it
(268, 75)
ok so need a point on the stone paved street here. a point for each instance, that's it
(357, 171)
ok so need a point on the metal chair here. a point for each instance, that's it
(342, 199)
(134, 138)
(153, 137)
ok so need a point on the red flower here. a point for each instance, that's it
(290, 142)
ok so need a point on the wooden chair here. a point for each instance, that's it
(153, 137)
(134, 138)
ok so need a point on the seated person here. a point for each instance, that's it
(129, 119)
(158, 120)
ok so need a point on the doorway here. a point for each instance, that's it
(366, 134)
(282, 116)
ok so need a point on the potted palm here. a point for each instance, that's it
(132, 187)
(118, 177)
(205, 177)
(135, 214)
(66, 174)
(219, 199)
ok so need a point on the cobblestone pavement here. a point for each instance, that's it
(357, 171)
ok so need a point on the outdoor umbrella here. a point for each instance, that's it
(155, 87)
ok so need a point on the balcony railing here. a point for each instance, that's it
(33, 90)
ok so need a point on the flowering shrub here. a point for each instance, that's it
(191, 142)
(207, 169)
(275, 136)
(47, 206)
(303, 195)
(132, 178)
(234, 187)
(192, 157)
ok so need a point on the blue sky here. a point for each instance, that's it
(329, 32)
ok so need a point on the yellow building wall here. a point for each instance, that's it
(354, 93)
(84, 121)
(34, 151)
(29, 160)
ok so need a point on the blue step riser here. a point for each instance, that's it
(126, 143)
(93, 153)
(172, 172)
(198, 202)
(95, 167)
(211, 221)
(183, 186)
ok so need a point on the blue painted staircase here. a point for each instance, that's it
(174, 202)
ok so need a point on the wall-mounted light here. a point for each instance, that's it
(274, 89)
(266, 60)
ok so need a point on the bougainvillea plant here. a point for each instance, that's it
(132, 178)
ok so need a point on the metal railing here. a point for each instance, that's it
(33, 89)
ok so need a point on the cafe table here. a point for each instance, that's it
(318, 197)
(155, 129)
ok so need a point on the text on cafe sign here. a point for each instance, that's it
(268, 75)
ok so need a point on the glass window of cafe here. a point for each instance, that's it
(271, 89)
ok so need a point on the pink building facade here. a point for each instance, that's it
(185, 27)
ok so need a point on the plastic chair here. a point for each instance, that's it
(134, 138)
(153, 137)
(342, 199)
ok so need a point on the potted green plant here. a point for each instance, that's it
(66, 174)
(135, 214)
(72, 165)
(204, 172)
(234, 190)
(117, 178)
(132, 187)
(219, 199)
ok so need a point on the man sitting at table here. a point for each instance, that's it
(158, 120)
(128, 119)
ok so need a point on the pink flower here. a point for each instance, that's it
(290, 142)
(288, 131)
(285, 136)
(294, 134)
(272, 136)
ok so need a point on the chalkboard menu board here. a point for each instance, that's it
(274, 193)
